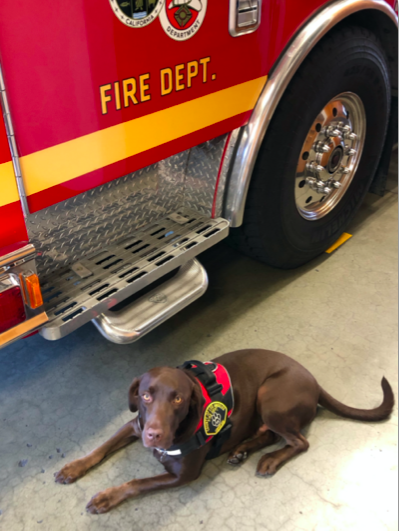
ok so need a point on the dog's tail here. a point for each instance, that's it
(380, 413)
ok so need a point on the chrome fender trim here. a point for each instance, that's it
(283, 71)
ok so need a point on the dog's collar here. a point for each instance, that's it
(215, 423)
(171, 453)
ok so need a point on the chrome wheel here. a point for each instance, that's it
(330, 156)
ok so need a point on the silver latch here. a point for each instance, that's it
(244, 16)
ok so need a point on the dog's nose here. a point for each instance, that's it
(154, 434)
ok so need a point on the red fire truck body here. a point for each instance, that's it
(129, 135)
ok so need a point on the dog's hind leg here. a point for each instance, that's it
(286, 406)
(269, 463)
(263, 438)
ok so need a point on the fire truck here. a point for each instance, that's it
(136, 134)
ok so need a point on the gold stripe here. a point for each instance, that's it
(61, 163)
(342, 239)
(8, 184)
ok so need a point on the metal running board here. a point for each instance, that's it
(152, 309)
(89, 288)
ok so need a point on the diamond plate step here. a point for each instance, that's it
(84, 291)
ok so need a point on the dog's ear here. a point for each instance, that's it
(134, 395)
(197, 400)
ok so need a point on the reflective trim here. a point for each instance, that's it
(253, 133)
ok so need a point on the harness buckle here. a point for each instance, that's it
(214, 389)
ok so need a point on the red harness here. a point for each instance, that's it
(214, 423)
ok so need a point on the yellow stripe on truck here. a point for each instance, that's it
(63, 162)
(8, 184)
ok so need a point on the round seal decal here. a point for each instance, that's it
(137, 13)
(181, 19)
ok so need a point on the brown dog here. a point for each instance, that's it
(274, 396)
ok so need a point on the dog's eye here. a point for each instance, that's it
(178, 400)
(146, 397)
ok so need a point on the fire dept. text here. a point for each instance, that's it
(135, 90)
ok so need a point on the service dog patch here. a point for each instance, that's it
(215, 418)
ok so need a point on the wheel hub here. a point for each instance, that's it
(330, 156)
(335, 159)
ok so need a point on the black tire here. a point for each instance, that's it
(348, 59)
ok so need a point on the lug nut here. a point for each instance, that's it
(349, 151)
(336, 184)
(348, 133)
(321, 147)
(344, 171)
(318, 185)
(313, 166)
(311, 181)
(332, 131)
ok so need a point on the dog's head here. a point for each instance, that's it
(170, 403)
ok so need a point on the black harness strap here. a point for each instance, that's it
(205, 374)
(219, 441)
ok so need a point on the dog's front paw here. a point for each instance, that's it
(71, 472)
(237, 457)
(104, 501)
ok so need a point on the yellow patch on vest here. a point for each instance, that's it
(215, 418)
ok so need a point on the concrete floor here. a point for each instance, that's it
(337, 316)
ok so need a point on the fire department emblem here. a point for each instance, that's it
(137, 13)
(181, 19)
(215, 417)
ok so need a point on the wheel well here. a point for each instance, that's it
(386, 31)
(375, 15)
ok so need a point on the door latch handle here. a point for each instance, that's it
(244, 16)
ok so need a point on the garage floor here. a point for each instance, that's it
(337, 316)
